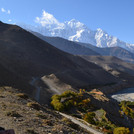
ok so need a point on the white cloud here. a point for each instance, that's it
(5, 11)
(47, 19)
(9, 20)
(8, 11)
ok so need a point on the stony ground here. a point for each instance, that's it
(26, 116)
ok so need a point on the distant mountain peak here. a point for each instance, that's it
(73, 21)
(74, 30)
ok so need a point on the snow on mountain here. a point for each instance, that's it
(74, 30)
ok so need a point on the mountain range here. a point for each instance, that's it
(24, 56)
(43, 66)
(78, 48)
(74, 30)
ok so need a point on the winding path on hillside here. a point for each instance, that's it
(34, 82)
(49, 84)
(74, 120)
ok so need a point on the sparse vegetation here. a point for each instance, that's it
(30, 131)
(70, 99)
(41, 115)
(70, 123)
(121, 130)
(12, 114)
(47, 122)
(128, 108)
(34, 105)
(89, 117)
(78, 102)
(22, 95)
(28, 117)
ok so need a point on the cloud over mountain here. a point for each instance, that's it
(47, 19)
(76, 31)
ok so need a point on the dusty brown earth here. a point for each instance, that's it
(26, 116)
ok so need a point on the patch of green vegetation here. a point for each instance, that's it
(104, 122)
(99, 119)
(73, 133)
(106, 125)
(121, 130)
(128, 108)
(34, 105)
(68, 100)
(89, 117)
(57, 105)
(81, 106)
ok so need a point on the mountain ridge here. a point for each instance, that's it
(76, 31)
(78, 48)
(25, 56)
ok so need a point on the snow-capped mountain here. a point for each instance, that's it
(74, 30)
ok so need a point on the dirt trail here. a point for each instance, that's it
(34, 83)
(88, 128)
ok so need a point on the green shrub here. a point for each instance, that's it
(57, 105)
(121, 130)
(126, 108)
(89, 117)
(69, 94)
(69, 99)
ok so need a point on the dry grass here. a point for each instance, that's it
(47, 122)
(34, 105)
(13, 114)
(41, 115)
(22, 95)
(30, 131)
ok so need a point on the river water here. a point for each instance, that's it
(126, 94)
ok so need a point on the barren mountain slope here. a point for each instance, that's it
(66, 45)
(26, 116)
(26, 56)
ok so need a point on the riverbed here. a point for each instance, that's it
(126, 94)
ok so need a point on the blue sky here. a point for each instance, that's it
(113, 16)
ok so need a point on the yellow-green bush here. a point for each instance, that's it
(125, 106)
(57, 105)
(121, 130)
(65, 105)
(89, 117)
(69, 99)
(69, 94)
